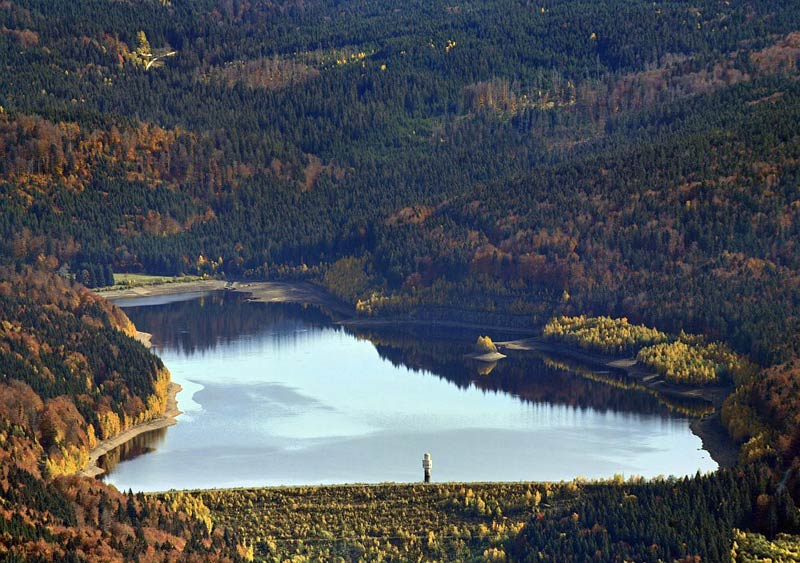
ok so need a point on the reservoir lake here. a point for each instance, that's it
(277, 394)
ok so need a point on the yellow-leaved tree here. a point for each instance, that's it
(484, 345)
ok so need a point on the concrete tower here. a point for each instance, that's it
(427, 465)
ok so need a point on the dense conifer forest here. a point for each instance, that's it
(505, 163)
(619, 157)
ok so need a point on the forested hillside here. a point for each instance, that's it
(70, 375)
(506, 157)
(71, 368)
(504, 162)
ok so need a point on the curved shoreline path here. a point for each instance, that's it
(92, 469)
(716, 440)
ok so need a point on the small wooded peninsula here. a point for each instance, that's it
(612, 187)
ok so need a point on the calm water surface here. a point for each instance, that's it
(276, 395)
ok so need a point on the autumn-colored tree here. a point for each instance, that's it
(484, 345)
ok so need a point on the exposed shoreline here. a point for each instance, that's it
(714, 394)
(259, 292)
(397, 323)
(716, 440)
(92, 469)
(709, 429)
(488, 357)
(151, 290)
(296, 292)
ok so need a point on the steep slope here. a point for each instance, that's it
(70, 374)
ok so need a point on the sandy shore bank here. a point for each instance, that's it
(261, 292)
(486, 356)
(300, 292)
(175, 288)
(370, 322)
(105, 446)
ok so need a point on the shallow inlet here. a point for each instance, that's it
(276, 395)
